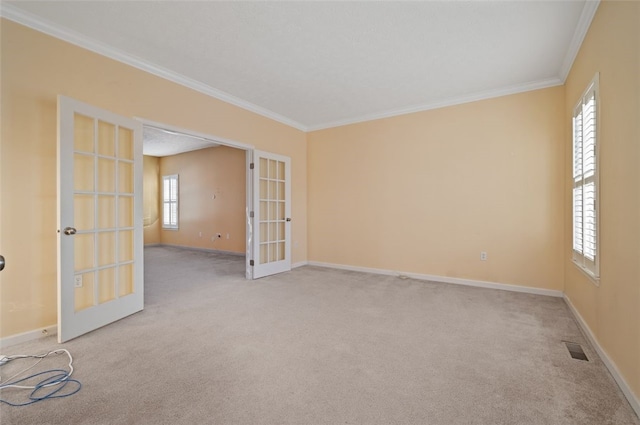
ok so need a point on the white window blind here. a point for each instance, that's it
(170, 202)
(585, 180)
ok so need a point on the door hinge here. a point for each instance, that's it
(251, 262)
(251, 166)
(251, 214)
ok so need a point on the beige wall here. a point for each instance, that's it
(212, 191)
(151, 204)
(611, 310)
(427, 192)
(35, 69)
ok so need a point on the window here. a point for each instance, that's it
(170, 202)
(585, 181)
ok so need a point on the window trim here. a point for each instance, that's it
(590, 269)
(171, 226)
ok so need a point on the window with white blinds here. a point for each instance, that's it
(585, 181)
(170, 202)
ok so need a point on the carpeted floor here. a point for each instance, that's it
(322, 346)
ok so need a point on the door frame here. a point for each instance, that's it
(249, 150)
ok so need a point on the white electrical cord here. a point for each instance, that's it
(6, 359)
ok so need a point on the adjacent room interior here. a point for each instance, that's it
(208, 191)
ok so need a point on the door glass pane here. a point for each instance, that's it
(106, 285)
(106, 139)
(106, 212)
(264, 253)
(281, 211)
(83, 212)
(83, 129)
(281, 231)
(281, 191)
(263, 210)
(280, 251)
(273, 169)
(125, 245)
(273, 210)
(125, 176)
(125, 280)
(106, 175)
(264, 232)
(280, 170)
(264, 189)
(125, 143)
(83, 296)
(106, 248)
(263, 168)
(83, 247)
(273, 252)
(83, 172)
(273, 190)
(125, 213)
(273, 232)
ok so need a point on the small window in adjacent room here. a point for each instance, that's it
(585, 181)
(170, 202)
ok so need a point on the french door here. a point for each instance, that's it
(272, 214)
(100, 245)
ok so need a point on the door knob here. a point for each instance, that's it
(288, 218)
(69, 230)
(1, 263)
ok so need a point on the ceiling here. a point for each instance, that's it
(316, 65)
(161, 142)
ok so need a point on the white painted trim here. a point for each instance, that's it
(210, 137)
(444, 279)
(39, 24)
(588, 12)
(610, 364)
(29, 336)
(196, 248)
(299, 264)
(452, 101)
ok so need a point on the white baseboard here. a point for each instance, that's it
(299, 264)
(613, 369)
(444, 279)
(28, 336)
(195, 248)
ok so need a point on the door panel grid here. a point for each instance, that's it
(272, 207)
(100, 246)
(103, 211)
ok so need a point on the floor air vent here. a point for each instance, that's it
(576, 351)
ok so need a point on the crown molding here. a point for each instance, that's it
(452, 101)
(588, 12)
(24, 18)
(19, 16)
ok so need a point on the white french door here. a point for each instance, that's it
(100, 245)
(272, 214)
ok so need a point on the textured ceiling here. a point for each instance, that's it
(160, 142)
(320, 64)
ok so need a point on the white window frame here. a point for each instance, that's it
(585, 178)
(168, 200)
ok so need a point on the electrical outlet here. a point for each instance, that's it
(483, 256)
(227, 236)
(77, 281)
(200, 234)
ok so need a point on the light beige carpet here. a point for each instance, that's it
(321, 346)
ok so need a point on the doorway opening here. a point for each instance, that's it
(196, 193)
